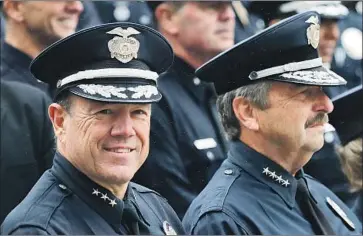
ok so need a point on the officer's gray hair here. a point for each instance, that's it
(256, 94)
(64, 100)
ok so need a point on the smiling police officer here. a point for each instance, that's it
(106, 79)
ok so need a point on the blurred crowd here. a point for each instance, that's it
(188, 143)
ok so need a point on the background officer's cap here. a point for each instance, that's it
(286, 51)
(347, 116)
(117, 62)
(270, 10)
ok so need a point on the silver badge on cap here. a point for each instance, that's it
(313, 32)
(168, 229)
(341, 213)
(123, 48)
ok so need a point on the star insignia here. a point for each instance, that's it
(286, 183)
(273, 174)
(95, 192)
(279, 178)
(113, 203)
(265, 171)
(104, 196)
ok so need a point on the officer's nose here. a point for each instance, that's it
(226, 13)
(331, 30)
(123, 126)
(323, 103)
(74, 7)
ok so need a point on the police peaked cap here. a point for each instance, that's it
(286, 51)
(117, 62)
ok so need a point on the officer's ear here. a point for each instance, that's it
(14, 10)
(57, 114)
(167, 18)
(245, 114)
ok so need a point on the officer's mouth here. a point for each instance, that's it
(316, 125)
(120, 150)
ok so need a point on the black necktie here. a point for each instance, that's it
(132, 220)
(311, 211)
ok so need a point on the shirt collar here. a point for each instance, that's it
(265, 171)
(97, 197)
(14, 56)
(201, 90)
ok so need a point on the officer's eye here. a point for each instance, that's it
(106, 111)
(140, 112)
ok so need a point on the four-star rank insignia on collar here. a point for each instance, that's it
(274, 176)
(124, 48)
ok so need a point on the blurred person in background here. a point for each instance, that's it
(27, 141)
(347, 61)
(30, 27)
(188, 144)
(347, 119)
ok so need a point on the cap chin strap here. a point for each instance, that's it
(109, 73)
(294, 66)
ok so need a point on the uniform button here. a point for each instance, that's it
(62, 186)
(196, 81)
(228, 171)
(210, 155)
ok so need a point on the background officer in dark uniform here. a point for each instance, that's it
(347, 60)
(187, 144)
(27, 142)
(30, 27)
(106, 79)
(274, 109)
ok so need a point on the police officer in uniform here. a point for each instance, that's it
(106, 79)
(273, 109)
(188, 144)
(331, 12)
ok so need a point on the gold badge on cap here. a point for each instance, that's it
(168, 229)
(313, 32)
(340, 213)
(123, 48)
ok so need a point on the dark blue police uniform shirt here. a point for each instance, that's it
(184, 127)
(15, 67)
(65, 201)
(245, 198)
(334, 178)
